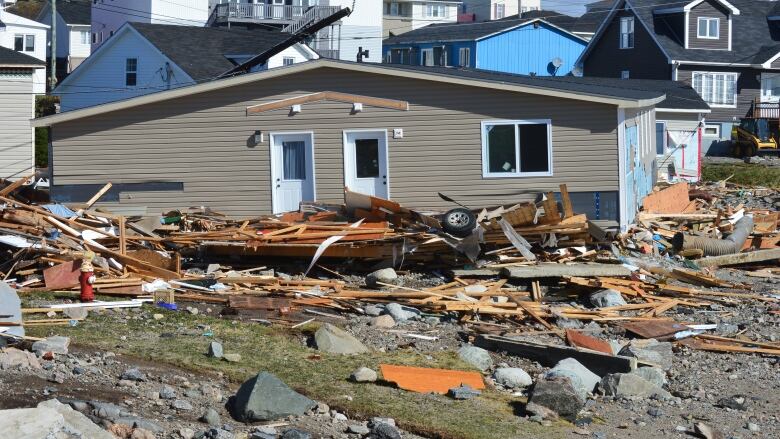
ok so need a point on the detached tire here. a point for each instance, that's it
(459, 222)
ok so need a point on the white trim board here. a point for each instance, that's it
(486, 174)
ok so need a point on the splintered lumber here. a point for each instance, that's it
(568, 210)
(740, 258)
(576, 338)
(14, 186)
(565, 270)
(549, 355)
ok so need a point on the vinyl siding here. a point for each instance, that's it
(644, 61)
(708, 8)
(748, 89)
(529, 50)
(204, 141)
(16, 135)
(776, 64)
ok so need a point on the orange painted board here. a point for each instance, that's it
(579, 339)
(673, 199)
(427, 380)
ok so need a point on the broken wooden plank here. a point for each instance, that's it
(568, 210)
(565, 270)
(427, 380)
(576, 338)
(739, 258)
(550, 355)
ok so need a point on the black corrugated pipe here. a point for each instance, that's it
(717, 247)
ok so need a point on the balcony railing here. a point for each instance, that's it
(284, 14)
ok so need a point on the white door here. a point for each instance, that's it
(365, 162)
(292, 170)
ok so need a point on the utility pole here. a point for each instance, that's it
(53, 78)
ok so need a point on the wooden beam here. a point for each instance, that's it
(568, 210)
(330, 96)
(740, 258)
(14, 186)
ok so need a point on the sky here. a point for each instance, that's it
(569, 7)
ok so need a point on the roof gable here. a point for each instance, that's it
(12, 58)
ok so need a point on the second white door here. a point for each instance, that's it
(365, 162)
(292, 170)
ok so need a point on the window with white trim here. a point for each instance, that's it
(718, 89)
(770, 87)
(516, 148)
(24, 42)
(625, 74)
(708, 27)
(500, 10)
(435, 11)
(464, 56)
(131, 72)
(626, 32)
(400, 56)
(288, 61)
(84, 37)
(427, 57)
(660, 138)
(712, 130)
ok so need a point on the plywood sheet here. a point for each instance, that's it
(427, 380)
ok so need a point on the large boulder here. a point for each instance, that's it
(630, 385)
(266, 398)
(650, 351)
(76, 421)
(335, 340)
(50, 419)
(512, 377)
(476, 357)
(581, 377)
(55, 345)
(607, 298)
(652, 374)
(11, 307)
(385, 276)
(12, 358)
(559, 395)
(401, 313)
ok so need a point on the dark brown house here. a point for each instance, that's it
(728, 51)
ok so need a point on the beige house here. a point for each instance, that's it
(264, 142)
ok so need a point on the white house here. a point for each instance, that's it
(402, 16)
(146, 58)
(17, 107)
(73, 32)
(486, 10)
(109, 15)
(28, 37)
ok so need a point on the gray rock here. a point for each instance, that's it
(335, 340)
(541, 412)
(559, 395)
(382, 430)
(385, 275)
(133, 374)
(401, 313)
(654, 375)
(147, 425)
(377, 420)
(12, 307)
(752, 426)
(181, 404)
(186, 433)
(358, 429)
(263, 432)
(232, 358)
(607, 298)
(215, 349)
(55, 345)
(167, 392)
(266, 398)
(211, 417)
(383, 321)
(363, 375)
(734, 402)
(74, 424)
(218, 433)
(476, 357)
(106, 410)
(512, 377)
(15, 359)
(650, 351)
(629, 385)
(583, 380)
(76, 313)
(295, 433)
(374, 310)
(463, 392)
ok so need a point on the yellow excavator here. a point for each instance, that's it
(758, 133)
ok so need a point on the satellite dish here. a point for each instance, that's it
(557, 62)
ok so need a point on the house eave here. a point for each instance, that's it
(681, 110)
(733, 9)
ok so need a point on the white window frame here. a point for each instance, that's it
(464, 57)
(706, 28)
(709, 126)
(499, 7)
(625, 74)
(84, 35)
(627, 37)
(706, 98)
(288, 60)
(25, 47)
(425, 55)
(128, 71)
(766, 90)
(485, 159)
(435, 11)
(664, 139)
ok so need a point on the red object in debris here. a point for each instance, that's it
(86, 279)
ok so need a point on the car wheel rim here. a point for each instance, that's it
(458, 219)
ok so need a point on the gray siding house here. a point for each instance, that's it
(727, 50)
(262, 142)
(17, 107)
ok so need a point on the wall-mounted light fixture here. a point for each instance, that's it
(357, 107)
(295, 109)
(258, 137)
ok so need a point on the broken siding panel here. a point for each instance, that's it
(16, 134)
(204, 142)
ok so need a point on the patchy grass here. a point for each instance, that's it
(322, 377)
(744, 174)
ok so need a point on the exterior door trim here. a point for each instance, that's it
(379, 131)
(271, 138)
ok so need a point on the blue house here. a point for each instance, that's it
(522, 46)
